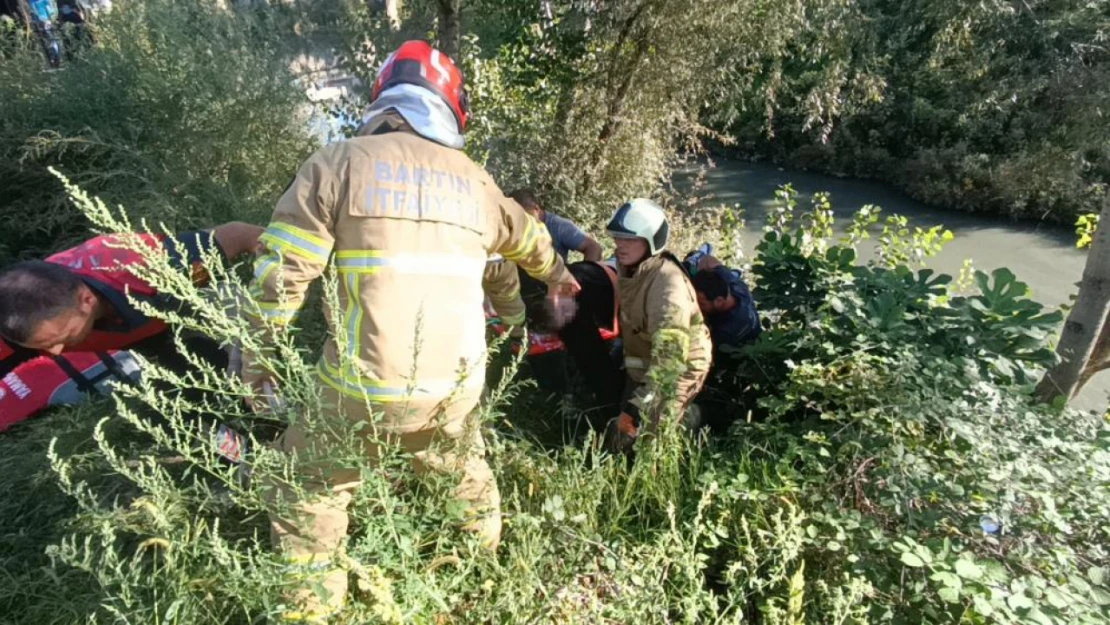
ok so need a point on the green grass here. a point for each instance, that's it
(877, 435)
(35, 513)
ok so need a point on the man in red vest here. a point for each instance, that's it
(64, 321)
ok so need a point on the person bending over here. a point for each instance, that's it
(67, 325)
(565, 234)
(724, 298)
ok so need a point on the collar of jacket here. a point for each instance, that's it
(422, 111)
(388, 121)
(651, 264)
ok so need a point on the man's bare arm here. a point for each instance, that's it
(590, 249)
(236, 238)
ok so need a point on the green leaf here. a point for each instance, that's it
(1037, 616)
(922, 551)
(951, 595)
(968, 569)
(1056, 598)
(1097, 575)
(1079, 583)
(912, 560)
(982, 605)
(948, 580)
(1019, 602)
(456, 509)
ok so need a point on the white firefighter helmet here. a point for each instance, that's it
(641, 218)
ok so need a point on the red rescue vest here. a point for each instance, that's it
(46, 381)
(105, 265)
(31, 381)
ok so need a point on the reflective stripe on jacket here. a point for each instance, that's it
(659, 313)
(502, 284)
(410, 224)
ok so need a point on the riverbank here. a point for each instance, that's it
(980, 184)
(1041, 254)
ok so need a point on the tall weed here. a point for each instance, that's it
(183, 111)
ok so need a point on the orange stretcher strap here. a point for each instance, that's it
(612, 273)
(545, 343)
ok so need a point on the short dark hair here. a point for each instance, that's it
(31, 292)
(526, 198)
(709, 284)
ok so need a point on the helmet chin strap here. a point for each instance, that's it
(425, 111)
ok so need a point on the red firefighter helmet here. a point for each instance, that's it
(418, 63)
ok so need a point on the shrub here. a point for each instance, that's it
(926, 468)
(182, 111)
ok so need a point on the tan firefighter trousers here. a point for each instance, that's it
(312, 537)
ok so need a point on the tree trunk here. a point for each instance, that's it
(548, 13)
(392, 10)
(450, 28)
(616, 103)
(621, 76)
(1084, 347)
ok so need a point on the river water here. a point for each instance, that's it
(1040, 254)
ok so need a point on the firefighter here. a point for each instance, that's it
(661, 323)
(67, 325)
(523, 296)
(408, 218)
(567, 237)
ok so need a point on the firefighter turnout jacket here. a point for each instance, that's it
(501, 283)
(661, 325)
(410, 225)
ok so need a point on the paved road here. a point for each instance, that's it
(1042, 255)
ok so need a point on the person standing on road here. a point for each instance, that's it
(410, 221)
